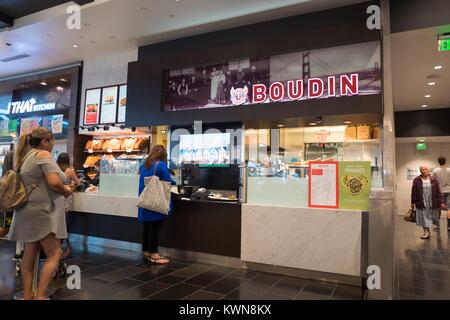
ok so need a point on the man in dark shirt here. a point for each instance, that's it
(7, 216)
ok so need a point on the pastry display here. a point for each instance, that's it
(97, 144)
(88, 145)
(91, 160)
(123, 102)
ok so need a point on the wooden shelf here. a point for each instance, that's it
(113, 151)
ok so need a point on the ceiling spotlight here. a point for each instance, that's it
(75, 46)
(313, 124)
(43, 83)
(163, 131)
(428, 96)
(347, 122)
(63, 80)
(431, 83)
(59, 89)
(280, 125)
(424, 105)
(437, 67)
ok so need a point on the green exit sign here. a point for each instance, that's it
(444, 44)
(421, 146)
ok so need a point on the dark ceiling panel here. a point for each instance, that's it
(5, 21)
(20, 8)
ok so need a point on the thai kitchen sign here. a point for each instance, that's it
(349, 70)
(30, 105)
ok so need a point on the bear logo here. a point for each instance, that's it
(239, 95)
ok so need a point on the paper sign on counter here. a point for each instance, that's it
(323, 185)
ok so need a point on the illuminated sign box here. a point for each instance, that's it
(444, 43)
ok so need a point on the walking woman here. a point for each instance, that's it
(155, 164)
(36, 223)
(426, 198)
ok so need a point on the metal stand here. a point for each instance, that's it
(48, 293)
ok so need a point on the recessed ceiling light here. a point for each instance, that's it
(347, 122)
(313, 124)
(280, 125)
(421, 140)
(75, 46)
(59, 89)
(63, 80)
(437, 67)
(43, 83)
(163, 131)
(431, 83)
(424, 106)
(428, 96)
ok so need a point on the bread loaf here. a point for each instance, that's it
(88, 145)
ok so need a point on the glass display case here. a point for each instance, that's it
(277, 168)
(120, 176)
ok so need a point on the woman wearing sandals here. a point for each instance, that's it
(426, 198)
(155, 164)
(36, 224)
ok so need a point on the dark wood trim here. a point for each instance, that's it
(422, 123)
(207, 227)
(325, 29)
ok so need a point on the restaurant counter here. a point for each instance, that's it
(212, 227)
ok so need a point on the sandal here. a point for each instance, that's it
(158, 260)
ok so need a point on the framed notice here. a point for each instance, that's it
(92, 106)
(355, 179)
(108, 109)
(122, 104)
(323, 189)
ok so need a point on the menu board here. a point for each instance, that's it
(323, 185)
(53, 123)
(4, 128)
(109, 105)
(91, 106)
(354, 185)
(122, 104)
(27, 125)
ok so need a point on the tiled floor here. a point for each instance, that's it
(423, 266)
(119, 274)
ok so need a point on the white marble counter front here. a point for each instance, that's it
(101, 204)
(309, 239)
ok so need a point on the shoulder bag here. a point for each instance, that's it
(156, 195)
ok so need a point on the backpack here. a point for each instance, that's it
(13, 192)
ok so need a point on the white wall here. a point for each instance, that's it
(408, 157)
(104, 71)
